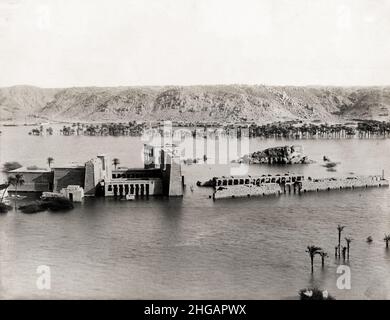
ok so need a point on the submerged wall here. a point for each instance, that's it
(343, 183)
(246, 191)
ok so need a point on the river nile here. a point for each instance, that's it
(194, 247)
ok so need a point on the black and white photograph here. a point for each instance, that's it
(194, 150)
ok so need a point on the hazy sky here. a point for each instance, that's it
(58, 43)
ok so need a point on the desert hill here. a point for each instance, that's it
(195, 103)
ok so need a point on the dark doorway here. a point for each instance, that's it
(147, 190)
(142, 190)
(137, 190)
(121, 190)
(131, 189)
(115, 190)
(71, 196)
(126, 189)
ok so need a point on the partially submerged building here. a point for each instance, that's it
(161, 175)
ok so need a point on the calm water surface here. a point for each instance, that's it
(193, 247)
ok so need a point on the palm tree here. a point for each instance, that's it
(348, 240)
(387, 239)
(50, 161)
(340, 229)
(323, 255)
(16, 181)
(4, 188)
(312, 251)
(115, 162)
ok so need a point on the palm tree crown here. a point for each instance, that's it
(115, 162)
(50, 161)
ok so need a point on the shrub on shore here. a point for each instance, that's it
(4, 208)
(59, 204)
(314, 294)
(54, 204)
(33, 207)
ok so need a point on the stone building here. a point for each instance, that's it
(161, 175)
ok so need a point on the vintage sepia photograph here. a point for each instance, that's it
(194, 150)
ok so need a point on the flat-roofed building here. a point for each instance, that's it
(35, 180)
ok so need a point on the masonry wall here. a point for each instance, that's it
(343, 183)
(68, 176)
(35, 182)
(247, 191)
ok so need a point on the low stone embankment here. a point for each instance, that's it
(343, 183)
(247, 190)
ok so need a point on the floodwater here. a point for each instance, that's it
(194, 247)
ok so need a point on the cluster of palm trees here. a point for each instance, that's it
(131, 128)
(297, 130)
(342, 250)
(293, 130)
(39, 131)
(313, 251)
(373, 128)
(339, 249)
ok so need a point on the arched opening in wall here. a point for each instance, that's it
(147, 190)
(115, 190)
(131, 189)
(328, 189)
(318, 189)
(366, 186)
(248, 195)
(142, 190)
(137, 190)
(341, 187)
(126, 189)
(120, 190)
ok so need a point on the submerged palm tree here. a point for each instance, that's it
(323, 255)
(50, 161)
(387, 239)
(312, 251)
(115, 162)
(348, 240)
(16, 181)
(340, 228)
(4, 187)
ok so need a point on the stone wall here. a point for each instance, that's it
(64, 177)
(343, 183)
(34, 182)
(246, 191)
